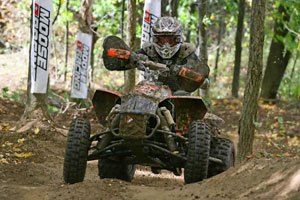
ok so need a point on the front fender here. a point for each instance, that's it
(188, 109)
(103, 102)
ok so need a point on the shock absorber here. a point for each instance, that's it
(168, 116)
(167, 121)
(114, 120)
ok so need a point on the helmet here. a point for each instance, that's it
(166, 36)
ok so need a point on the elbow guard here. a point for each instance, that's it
(191, 75)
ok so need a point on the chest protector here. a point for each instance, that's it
(185, 57)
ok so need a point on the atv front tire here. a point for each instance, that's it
(222, 149)
(78, 144)
(198, 152)
(113, 169)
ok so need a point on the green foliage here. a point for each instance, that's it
(81, 103)
(66, 16)
(290, 88)
(52, 109)
(4, 92)
(11, 95)
(292, 8)
(108, 17)
(207, 101)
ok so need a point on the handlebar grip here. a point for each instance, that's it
(155, 66)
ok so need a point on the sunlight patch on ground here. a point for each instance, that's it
(294, 184)
(274, 179)
(163, 174)
(145, 172)
(242, 168)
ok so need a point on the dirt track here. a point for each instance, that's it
(40, 177)
(31, 168)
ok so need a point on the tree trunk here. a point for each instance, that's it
(202, 40)
(66, 45)
(34, 101)
(292, 72)
(122, 19)
(164, 4)
(192, 9)
(238, 50)
(220, 36)
(278, 58)
(85, 21)
(202, 7)
(131, 37)
(94, 40)
(140, 8)
(31, 101)
(174, 8)
(254, 76)
(86, 16)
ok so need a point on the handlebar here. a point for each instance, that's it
(145, 65)
(125, 54)
(155, 66)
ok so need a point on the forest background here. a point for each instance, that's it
(221, 20)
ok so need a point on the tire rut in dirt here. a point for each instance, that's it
(198, 152)
(78, 144)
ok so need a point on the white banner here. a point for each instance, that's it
(40, 44)
(81, 66)
(152, 11)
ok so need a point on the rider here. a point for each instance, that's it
(168, 48)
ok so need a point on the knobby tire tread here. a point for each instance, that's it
(222, 149)
(198, 152)
(78, 144)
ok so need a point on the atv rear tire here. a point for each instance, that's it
(222, 149)
(78, 144)
(113, 169)
(198, 152)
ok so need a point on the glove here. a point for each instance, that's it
(135, 57)
(174, 69)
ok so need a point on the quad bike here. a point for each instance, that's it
(149, 126)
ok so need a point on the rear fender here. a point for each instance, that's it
(188, 109)
(103, 102)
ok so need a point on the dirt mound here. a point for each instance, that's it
(254, 179)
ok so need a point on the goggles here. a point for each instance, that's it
(167, 39)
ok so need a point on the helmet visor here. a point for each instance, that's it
(166, 39)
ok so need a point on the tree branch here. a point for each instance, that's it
(58, 11)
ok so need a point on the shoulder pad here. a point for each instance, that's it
(149, 49)
(186, 49)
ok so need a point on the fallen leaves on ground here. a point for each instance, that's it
(23, 155)
(5, 127)
(12, 151)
